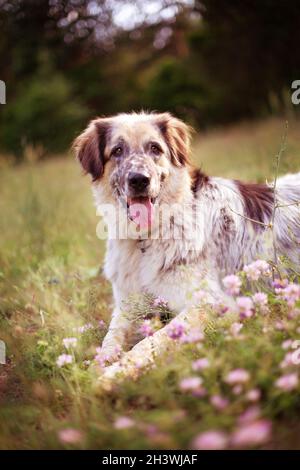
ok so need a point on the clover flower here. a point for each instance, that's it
(175, 329)
(232, 284)
(69, 342)
(200, 364)
(245, 307)
(257, 269)
(123, 422)
(70, 436)
(146, 329)
(287, 382)
(210, 440)
(190, 384)
(237, 376)
(252, 434)
(64, 359)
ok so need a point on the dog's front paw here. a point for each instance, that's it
(108, 355)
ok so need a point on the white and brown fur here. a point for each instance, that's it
(231, 225)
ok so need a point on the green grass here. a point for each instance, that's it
(51, 283)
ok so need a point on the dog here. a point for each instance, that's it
(141, 169)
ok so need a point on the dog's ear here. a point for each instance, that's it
(89, 147)
(177, 136)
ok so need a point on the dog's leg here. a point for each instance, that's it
(115, 338)
(143, 354)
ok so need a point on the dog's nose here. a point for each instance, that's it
(138, 181)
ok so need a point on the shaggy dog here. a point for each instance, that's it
(171, 228)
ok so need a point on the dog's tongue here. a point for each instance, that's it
(141, 211)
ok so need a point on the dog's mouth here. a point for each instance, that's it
(141, 210)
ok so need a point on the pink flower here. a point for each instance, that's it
(104, 359)
(245, 307)
(260, 300)
(210, 440)
(279, 284)
(287, 344)
(146, 329)
(253, 395)
(175, 329)
(237, 376)
(235, 328)
(252, 434)
(84, 328)
(69, 342)
(232, 284)
(123, 422)
(287, 382)
(219, 402)
(200, 364)
(70, 436)
(257, 269)
(64, 359)
(160, 302)
(190, 384)
(291, 293)
(101, 324)
(193, 336)
(251, 414)
(287, 360)
(237, 389)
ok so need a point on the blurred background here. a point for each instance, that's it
(211, 62)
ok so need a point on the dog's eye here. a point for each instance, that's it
(155, 149)
(117, 152)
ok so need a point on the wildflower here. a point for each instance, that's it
(291, 293)
(287, 360)
(252, 434)
(251, 414)
(235, 328)
(237, 389)
(210, 440)
(287, 382)
(101, 324)
(160, 302)
(253, 395)
(279, 284)
(257, 269)
(104, 359)
(237, 376)
(193, 336)
(245, 307)
(200, 364)
(84, 328)
(279, 325)
(232, 284)
(219, 402)
(286, 344)
(64, 359)
(70, 436)
(69, 342)
(123, 422)
(146, 328)
(190, 383)
(260, 300)
(175, 329)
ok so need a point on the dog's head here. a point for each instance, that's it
(135, 156)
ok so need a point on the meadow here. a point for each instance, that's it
(235, 387)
